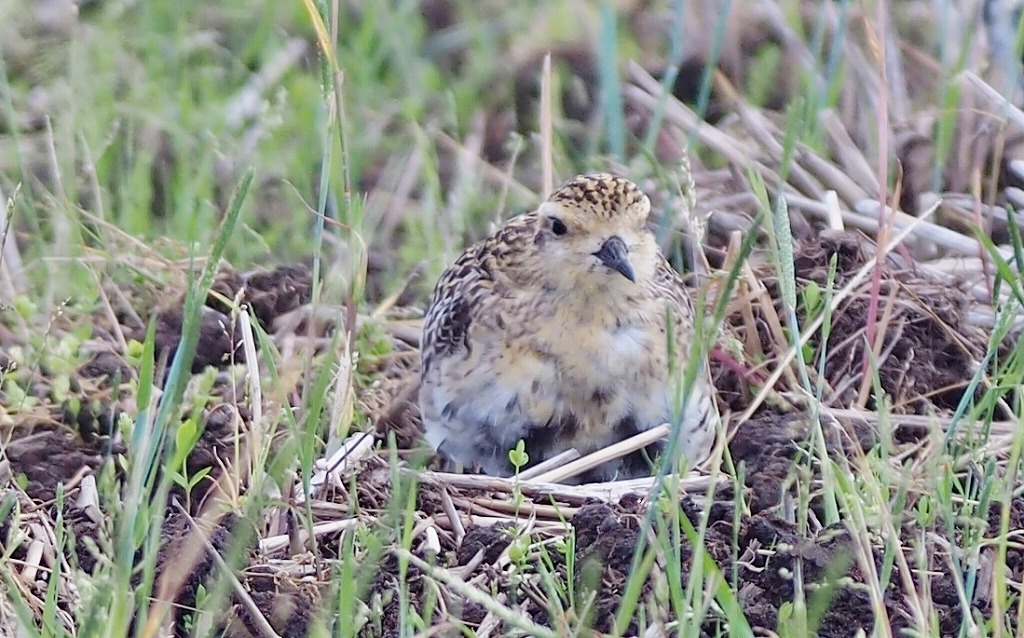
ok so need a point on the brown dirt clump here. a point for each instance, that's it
(928, 349)
(270, 294)
(51, 457)
(289, 609)
(929, 346)
(766, 448)
(491, 540)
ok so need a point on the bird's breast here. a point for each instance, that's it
(627, 343)
(609, 373)
(619, 352)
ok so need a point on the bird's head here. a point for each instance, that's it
(592, 234)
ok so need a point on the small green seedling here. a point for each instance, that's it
(185, 440)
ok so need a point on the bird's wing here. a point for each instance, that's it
(470, 401)
(669, 285)
(473, 289)
(703, 414)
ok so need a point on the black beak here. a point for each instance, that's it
(615, 255)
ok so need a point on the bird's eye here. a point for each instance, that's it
(558, 226)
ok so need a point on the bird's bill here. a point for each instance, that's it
(615, 255)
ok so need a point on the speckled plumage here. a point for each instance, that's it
(553, 330)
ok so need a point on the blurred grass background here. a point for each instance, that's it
(143, 115)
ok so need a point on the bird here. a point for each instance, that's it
(565, 328)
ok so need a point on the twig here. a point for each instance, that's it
(455, 520)
(1013, 113)
(556, 461)
(612, 490)
(604, 455)
(272, 544)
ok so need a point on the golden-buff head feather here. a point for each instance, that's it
(591, 234)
